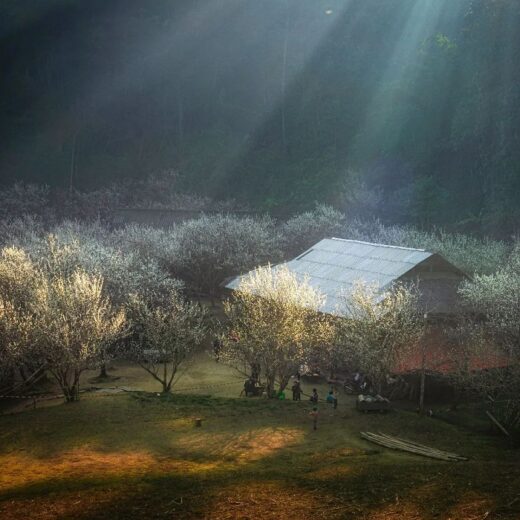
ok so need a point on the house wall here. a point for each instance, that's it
(438, 283)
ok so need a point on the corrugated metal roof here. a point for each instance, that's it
(334, 265)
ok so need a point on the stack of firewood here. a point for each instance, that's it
(396, 443)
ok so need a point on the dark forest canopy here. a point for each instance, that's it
(407, 110)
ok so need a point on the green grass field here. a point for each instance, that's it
(138, 455)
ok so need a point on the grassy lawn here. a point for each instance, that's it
(137, 455)
(203, 376)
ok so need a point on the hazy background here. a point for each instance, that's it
(406, 110)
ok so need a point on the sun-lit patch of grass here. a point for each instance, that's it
(332, 472)
(471, 506)
(179, 423)
(258, 444)
(84, 463)
(338, 454)
(251, 445)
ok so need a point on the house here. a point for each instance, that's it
(335, 265)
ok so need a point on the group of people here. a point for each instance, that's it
(252, 388)
(296, 390)
(332, 398)
(361, 382)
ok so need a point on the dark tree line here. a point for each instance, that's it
(400, 109)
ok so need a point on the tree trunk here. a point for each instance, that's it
(421, 391)
(269, 379)
(75, 386)
(166, 387)
(284, 381)
(73, 163)
(103, 371)
(284, 84)
(22, 374)
(180, 118)
(71, 393)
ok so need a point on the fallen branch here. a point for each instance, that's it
(495, 421)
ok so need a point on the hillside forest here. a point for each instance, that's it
(402, 110)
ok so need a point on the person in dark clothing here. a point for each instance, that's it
(255, 372)
(296, 391)
(217, 347)
(314, 396)
(249, 388)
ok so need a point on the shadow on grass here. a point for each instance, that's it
(137, 421)
(368, 489)
(145, 458)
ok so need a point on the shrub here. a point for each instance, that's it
(206, 251)
(303, 230)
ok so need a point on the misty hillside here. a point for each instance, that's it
(407, 110)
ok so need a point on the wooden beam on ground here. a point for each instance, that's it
(396, 443)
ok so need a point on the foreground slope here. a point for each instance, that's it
(137, 455)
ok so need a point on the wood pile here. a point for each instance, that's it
(395, 443)
(367, 403)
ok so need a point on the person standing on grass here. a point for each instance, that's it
(296, 391)
(314, 396)
(314, 417)
(217, 348)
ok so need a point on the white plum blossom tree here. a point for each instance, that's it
(305, 229)
(274, 323)
(73, 325)
(492, 333)
(379, 328)
(206, 251)
(19, 284)
(53, 318)
(165, 336)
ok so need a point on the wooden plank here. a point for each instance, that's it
(397, 446)
(495, 421)
(413, 443)
(408, 446)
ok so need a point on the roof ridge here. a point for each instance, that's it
(379, 245)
